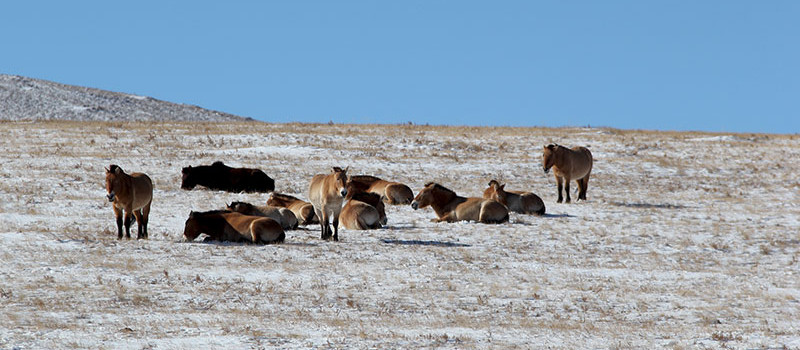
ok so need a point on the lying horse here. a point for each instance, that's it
(326, 193)
(283, 216)
(392, 192)
(219, 176)
(516, 201)
(568, 164)
(451, 207)
(363, 210)
(304, 211)
(223, 225)
(132, 194)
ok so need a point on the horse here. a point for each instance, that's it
(391, 191)
(283, 216)
(450, 207)
(219, 176)
(224, 225)
(568, 164)
(516, 201)
(363, 210)
(132, 194)
(304, 211)
(326, 193)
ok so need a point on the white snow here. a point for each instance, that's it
(675, 248)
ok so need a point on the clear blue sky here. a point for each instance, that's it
(731, 66)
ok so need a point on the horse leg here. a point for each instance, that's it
(560, 181)
(584, 186)
(335, 227)
(138, 215)
(323, 223)
(566, 189)
(118, 215)
(128, 223)
(146, 219)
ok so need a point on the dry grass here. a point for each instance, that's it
(676, 248)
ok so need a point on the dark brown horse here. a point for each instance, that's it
(219, 176)
(391, 191)
(304, 211)
(451, 207)
(131, 194)
(516, 201)
(326, 192)
(568, 164)
(224, 225)
(282, 215)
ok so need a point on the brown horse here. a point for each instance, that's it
(392, 192)
(516, 201)
(283, 216)
(132, 194)
(451, 207)
(304, 211)
(363, 210)
(326, 193)
(223, 225)
(568, 164)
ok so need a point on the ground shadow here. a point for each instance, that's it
(649, 205)
(428, 243)
(557, 216)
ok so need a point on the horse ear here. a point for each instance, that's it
(503, 186)
(108, 170)
(346, 169)
(118, 170)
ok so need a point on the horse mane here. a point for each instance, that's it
(218, 163)
(439, 187)
(240, 203)
(284, 197)
(364, 178)
(210, 212)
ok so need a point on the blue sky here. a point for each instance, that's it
(730, 66)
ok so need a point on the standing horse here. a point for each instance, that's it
(451, 207)
(223, 225)
(516, 201)
(363, 210)
(326, 193)
(304, 211)
(392, 192)
(283, 216)
(568, 164)
(132, 194)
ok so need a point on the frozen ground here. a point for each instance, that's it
(688, 240)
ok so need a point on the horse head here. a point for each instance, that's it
(192, 228)
(425, 196)
(340, 179)
(188, 180)
(113, 173)
(548, 157)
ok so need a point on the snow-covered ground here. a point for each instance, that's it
(687, 240)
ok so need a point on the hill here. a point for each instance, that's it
(32, 99)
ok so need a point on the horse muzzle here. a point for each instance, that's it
(415, 205)
(546, 170)
(344, 192)
(111, 197)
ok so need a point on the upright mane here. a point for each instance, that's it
(439, 187)
(208, 213)
(364, 178)
(284, 197)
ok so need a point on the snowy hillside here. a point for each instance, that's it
(31, 99)
(687, 240)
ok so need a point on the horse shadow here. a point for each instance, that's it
(649, 205)
(425, 243)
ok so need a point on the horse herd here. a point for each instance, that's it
(357, 201)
